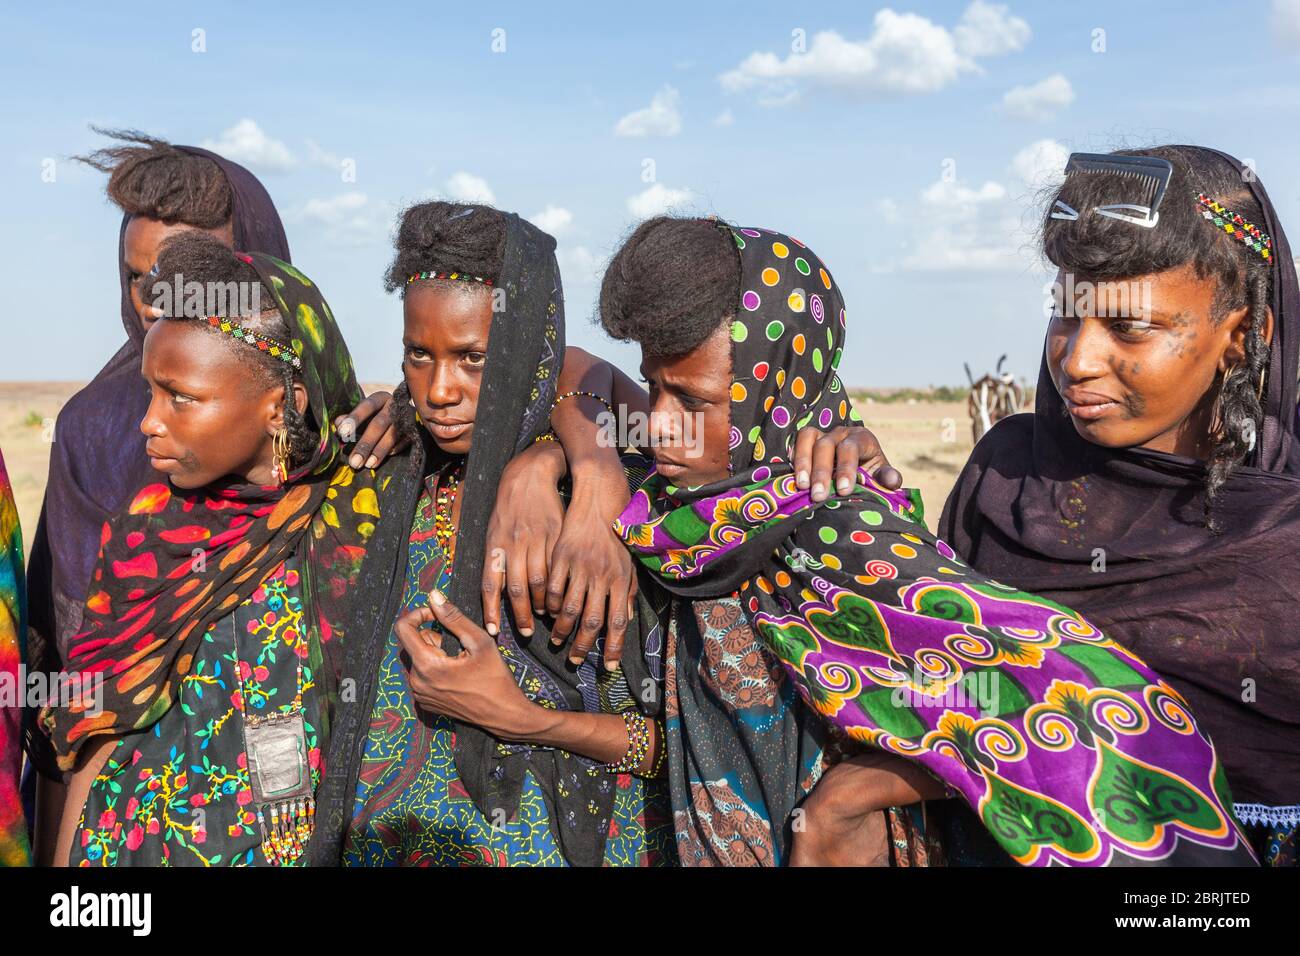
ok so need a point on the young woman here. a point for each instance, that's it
(516, 751)
(222, 598)
(15, 848)
(98, 457)
(1069, 747)
(1154, 487)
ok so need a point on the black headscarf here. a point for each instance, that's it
(97, 459)
(525, 354)
(1039, 507)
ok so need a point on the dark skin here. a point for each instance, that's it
(370, 424)
(841, 822)
(446, 327)
(210, 415)
(199, 428)
(581, 539)
(1134, 381)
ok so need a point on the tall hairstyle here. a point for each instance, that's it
(671, 284)
(443, 237)
(1110, 249)
(200, 257)
(150, 177)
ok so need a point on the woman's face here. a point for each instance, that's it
(210, 415)
(690, 402)
(445, 343)
(1138, 361)
(144, 237)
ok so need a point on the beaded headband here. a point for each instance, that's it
(272, 347)
(1236, 227)
(454, 276)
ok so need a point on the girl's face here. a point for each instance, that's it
(1138, 361)
(210, 415)
(144, 237)
(690, 402)
(445, 342)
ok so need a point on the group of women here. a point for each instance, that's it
(333, 629)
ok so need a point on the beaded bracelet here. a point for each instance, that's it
(547, 435)
(559, 398)
(638, 741)
(663, 751)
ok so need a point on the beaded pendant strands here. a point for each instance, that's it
(444, 506)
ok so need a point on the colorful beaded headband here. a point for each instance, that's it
(1236, 227)
(454, 276)
(272, 347)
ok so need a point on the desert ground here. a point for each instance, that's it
(927, 440)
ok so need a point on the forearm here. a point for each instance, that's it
(602, 737)
(580, 421)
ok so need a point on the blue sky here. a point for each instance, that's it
(905, 143)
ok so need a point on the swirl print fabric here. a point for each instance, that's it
(1071, 750)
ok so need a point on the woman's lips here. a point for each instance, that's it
(449, 431)
(1088, 406)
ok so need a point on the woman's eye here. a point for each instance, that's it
(1132, 328)
(476, 358)
(416, 355)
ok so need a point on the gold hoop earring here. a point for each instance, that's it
(280, 454)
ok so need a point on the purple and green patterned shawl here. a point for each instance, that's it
(1070, 749)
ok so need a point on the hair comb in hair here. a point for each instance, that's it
(1149, 175)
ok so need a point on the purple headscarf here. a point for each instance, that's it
(1213, 613)
(98, 456)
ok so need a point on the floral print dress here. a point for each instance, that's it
(178, 794)
(412, 808)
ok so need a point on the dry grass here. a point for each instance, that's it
(927, 441)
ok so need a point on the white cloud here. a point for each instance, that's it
(246, 143)
(553, 219)
(350, 218)
(660, 118)
(318, 156)
(656, 200)
(1041, 101)
(988, 29)
(905, 53)
(466, 187)
(725, 118)
(578, 265)
(1041, 163)
(1286, 22)
(960, 228)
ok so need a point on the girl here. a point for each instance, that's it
(1071, 749)
(1154, 487)
(222, 597)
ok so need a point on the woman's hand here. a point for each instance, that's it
(521, 534)
(475, 686)
(842, 450)
(592, 582)
(841, 822)
(379, 435)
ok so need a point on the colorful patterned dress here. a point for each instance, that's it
(411, 807)
(178, 794)
(14, 847)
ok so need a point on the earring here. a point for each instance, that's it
(280, 454)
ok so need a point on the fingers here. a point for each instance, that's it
(494, 577)
(472, 637)
(591, 622)
(538, 552)
(823, 463)
(803, 445)
(569, 607)
(416, 639)
(889, 477)
(557, 581)
(621, 603)
(374, 444)
(517, 590)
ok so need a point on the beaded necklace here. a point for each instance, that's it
(444, 503)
